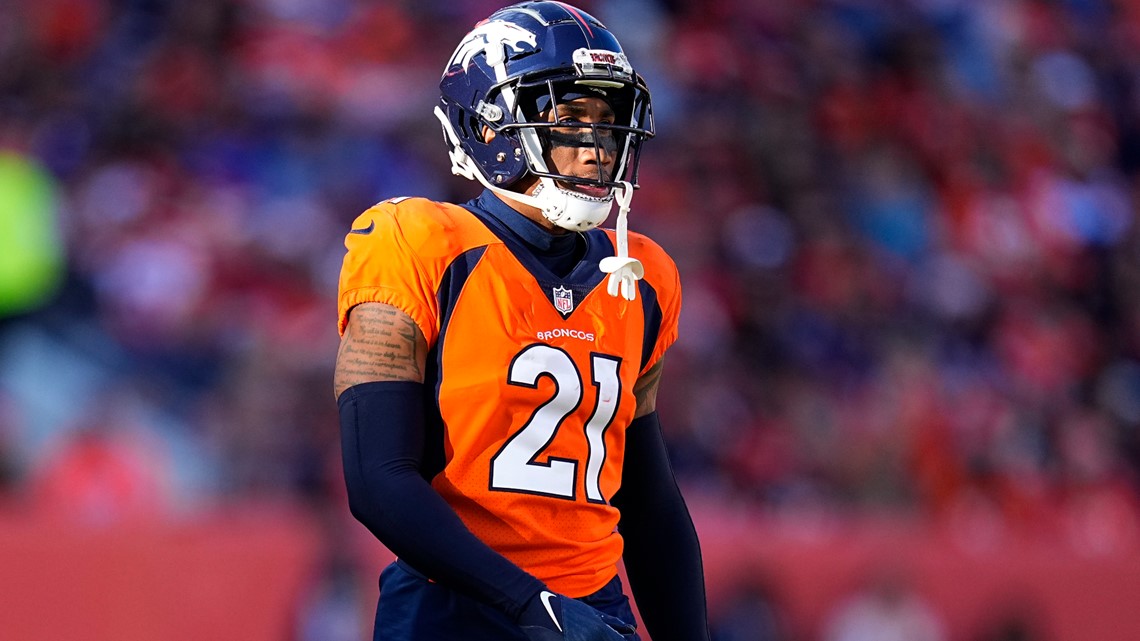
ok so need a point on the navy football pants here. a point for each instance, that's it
(413, 609)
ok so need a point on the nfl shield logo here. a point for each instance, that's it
(563, 300)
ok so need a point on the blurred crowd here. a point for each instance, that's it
(906, 231)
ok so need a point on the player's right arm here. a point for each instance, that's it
(379, 385)
(380, 343)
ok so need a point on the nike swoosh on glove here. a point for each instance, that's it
(553, 617)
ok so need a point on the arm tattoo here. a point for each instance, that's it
(380, 343)
(645, 390)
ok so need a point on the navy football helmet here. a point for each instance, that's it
(506, 75)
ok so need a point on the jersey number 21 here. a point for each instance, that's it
(514, 467)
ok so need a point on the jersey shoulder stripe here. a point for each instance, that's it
(651, 329)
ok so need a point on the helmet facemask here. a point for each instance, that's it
(538, 132)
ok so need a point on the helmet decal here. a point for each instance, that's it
(600, 62)
(489, 38)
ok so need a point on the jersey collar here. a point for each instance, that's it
(531, 233)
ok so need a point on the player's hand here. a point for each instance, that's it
(553, 617)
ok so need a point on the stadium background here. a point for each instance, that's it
(906, 400)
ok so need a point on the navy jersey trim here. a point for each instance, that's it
(582, 279)
(450, 287)
(651, 312)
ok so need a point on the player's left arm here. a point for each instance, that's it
(662, 553)
(645, 390)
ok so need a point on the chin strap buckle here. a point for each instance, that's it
(623, 269)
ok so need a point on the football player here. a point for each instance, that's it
(500, 360)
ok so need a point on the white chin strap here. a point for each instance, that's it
(566, 209)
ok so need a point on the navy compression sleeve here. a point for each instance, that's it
(662, 554)
(382, 441)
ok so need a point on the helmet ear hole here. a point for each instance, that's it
(471, 127)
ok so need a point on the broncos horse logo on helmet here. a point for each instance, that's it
(487, 37)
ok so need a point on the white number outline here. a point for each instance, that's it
(515, 467)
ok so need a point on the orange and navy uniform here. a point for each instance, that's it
(531, 375)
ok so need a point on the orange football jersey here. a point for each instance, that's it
(532, 376)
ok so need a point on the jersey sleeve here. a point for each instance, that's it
(397, 254)
(662, 275)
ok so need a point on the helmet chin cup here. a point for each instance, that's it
(571, 210)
